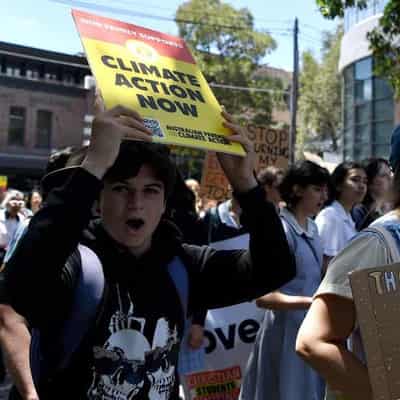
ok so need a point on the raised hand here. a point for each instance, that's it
(239, 170)
(109, 128)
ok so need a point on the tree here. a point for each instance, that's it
(384, 40)
(320, 92)
(229, 50)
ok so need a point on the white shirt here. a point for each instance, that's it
(336, 228)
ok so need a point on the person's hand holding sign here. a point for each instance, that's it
(239, 170)
(109, 128)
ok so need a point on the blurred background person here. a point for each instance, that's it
(270, 178)
(274, 370)
(11, 213)
(376, 201)
(194, 186)
(34, 201)
(335, 224)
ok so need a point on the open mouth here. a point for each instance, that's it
(135, 223)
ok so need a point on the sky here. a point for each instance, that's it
(48, 24)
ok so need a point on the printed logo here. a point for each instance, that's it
(142, 51)
(154, 126)
(127, 366)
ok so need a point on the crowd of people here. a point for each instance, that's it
(121, 208)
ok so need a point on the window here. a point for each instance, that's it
(367, 112)
(16, 129)
(43, 129)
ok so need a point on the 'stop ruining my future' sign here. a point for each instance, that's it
(156, 75)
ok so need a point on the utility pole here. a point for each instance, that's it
(294, 93)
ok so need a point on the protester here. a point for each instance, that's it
(332, 318)
(274, 371)
(270, 178)
(335, 224)
(194, 186)
(376, 202)
(132, 181)
(11, 215)
(34, 201)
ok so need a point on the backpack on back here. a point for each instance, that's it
(49, 357)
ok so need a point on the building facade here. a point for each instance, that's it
(43, 104)
(369, 109)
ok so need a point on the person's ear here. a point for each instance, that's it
(298, 191)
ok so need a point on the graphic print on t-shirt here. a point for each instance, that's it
(126, 367)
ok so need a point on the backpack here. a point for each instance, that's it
(389, 234)
(48, 357)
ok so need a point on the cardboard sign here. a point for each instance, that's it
(271, 147)
(376, 293)
(156, 75)
(214, 184)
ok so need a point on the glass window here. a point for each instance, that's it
(363, 90)
(43, 129)
(363, 113)
(384, 110)
(348, 77)
(362, 151)
(382, 132)
(348, 117)
(382, 89)
(16, 128)
(362, 135)
(381, 150)
(363, 69)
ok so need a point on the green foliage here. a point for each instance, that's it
(229, 50)
(320, 93)
(384, 40)
(335, 8)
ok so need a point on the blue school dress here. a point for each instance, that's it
(274, 370)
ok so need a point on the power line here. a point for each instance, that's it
(115, 10)
(125, 11)
(247, 89)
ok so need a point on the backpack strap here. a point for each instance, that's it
(389, 234)
(213, 222)
(179, 275)
(87, 296)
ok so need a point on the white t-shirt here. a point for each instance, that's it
(335, 227)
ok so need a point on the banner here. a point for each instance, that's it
(271, 147)
(156, 75)
(230, 333)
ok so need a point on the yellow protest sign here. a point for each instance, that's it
(156, 75)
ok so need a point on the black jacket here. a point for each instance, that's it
(141, 306)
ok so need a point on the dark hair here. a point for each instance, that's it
(29, 198)
(270, 175)
(302, 173)
(372, 167)
(133, 154)
(57, 170)
(339, 175)
(59, 158)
